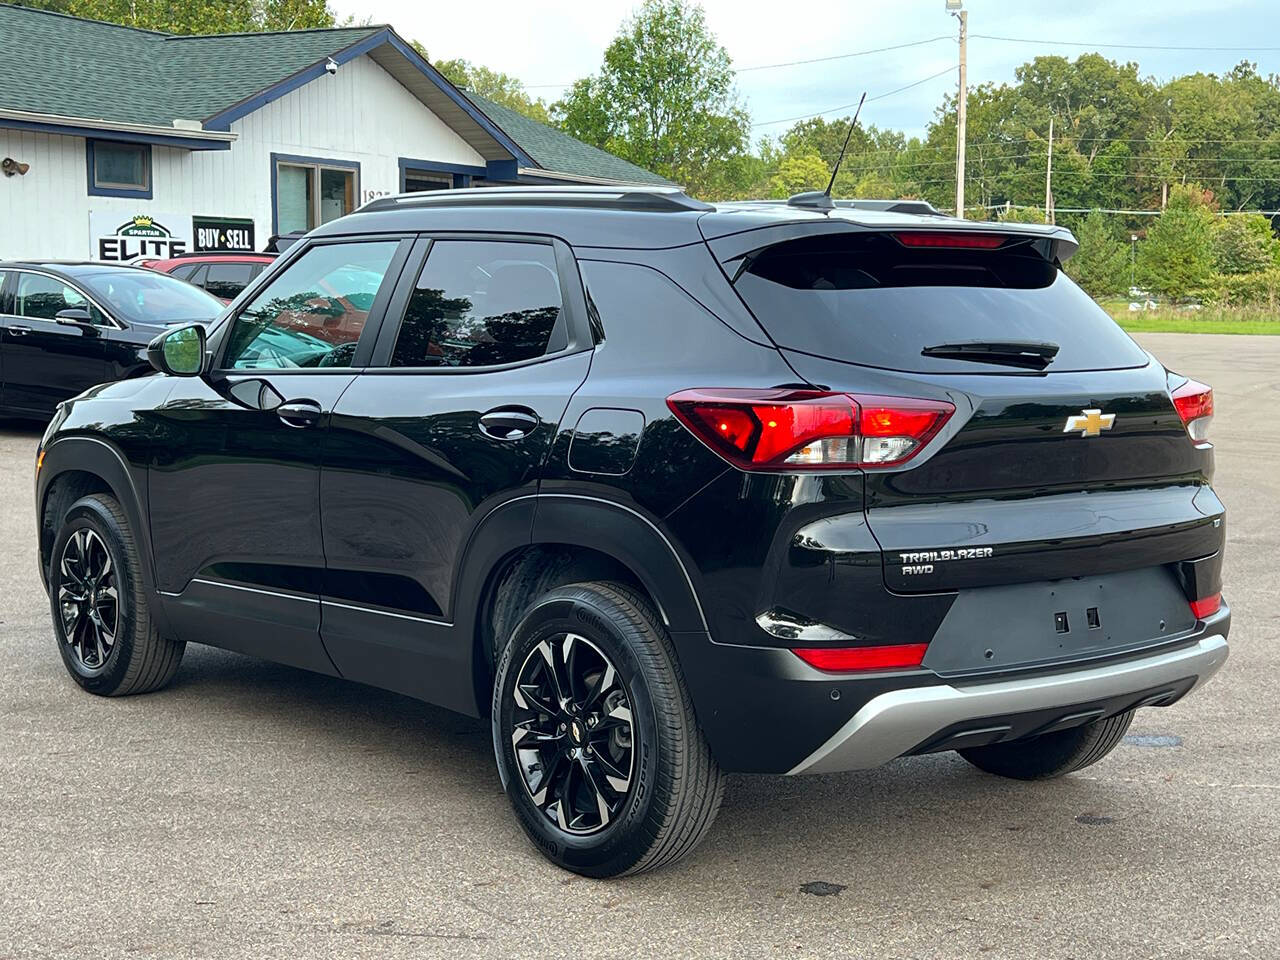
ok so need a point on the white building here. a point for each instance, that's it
(116, 141)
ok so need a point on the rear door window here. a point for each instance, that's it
(226, 279)
(865, 298)
(482, 304)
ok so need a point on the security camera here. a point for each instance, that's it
(331, 66)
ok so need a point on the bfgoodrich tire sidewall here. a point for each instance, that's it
(626, 839)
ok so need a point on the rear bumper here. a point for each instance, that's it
(947, 716)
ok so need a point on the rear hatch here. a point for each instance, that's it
(1065, 459)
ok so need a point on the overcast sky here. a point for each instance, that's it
(557, 41)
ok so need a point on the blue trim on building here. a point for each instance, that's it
(120, 136)
(278, 158)
(502, 170)
(145, 193)
(224, 119)
(454, 94)
(462, 173)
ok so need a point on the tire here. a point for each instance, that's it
(131, 656)
(672, 787)
(1052, 754)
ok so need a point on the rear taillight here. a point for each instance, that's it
(1194, 402)
(1207, 606)
(782, 429)
(846, 659)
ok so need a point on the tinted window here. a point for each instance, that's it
(186, 272)
(867, 299)
(121, 165)
(312, 314)
(477, 304)
(144, 296)
(40, 298)
(226, 278)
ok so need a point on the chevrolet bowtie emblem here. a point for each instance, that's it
(1090, 423)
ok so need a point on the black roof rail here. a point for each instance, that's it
(653, 199)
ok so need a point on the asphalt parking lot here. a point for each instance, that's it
(252, 810)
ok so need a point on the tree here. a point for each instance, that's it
(1244, 243)
(1101, 265)
(664, 99)
(796, 174)
(491, 84)
(199, 16)
(1176, 258)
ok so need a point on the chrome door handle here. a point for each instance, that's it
(508, 423)
(300, 413)
(19, 330)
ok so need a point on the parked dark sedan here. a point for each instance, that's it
(67, 326)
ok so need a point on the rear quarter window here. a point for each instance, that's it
(865, 298)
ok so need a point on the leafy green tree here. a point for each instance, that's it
(199, 16)
(1176, 258)
(1101, 265)
(493, 85)
(796, 174)
(1244, 243)
(664, 99)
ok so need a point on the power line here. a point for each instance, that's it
(846, 106)
(1125, 46)
(793, 63)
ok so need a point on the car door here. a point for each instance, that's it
(47, 362)
(234, 480)
(481, 349)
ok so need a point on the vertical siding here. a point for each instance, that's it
(361, 114)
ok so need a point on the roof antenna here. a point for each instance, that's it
(822, 201)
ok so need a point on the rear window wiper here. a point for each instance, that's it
(1030, 354)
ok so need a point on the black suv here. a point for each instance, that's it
(664, 490)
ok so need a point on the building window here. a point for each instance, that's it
(311, 192)
(119, 169)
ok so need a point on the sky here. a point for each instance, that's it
(551, 43)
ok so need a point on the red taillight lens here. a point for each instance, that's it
(845, 659)
(954, 241)
(1194, 403)
(808, 429)
(1207, 606)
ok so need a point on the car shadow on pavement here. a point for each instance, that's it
(773, 829)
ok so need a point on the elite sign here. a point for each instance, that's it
(118, 238)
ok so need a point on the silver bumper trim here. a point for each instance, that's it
(893, 723)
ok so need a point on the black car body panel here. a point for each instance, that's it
(44, 362)
(375, 539)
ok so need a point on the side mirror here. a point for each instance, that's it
(76, 317)
(179, 352)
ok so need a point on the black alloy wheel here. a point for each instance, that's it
(88, 600)
(572, 734)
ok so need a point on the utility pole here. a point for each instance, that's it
(956, 9)
(1048, 179)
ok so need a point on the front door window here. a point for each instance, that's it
(313, 313)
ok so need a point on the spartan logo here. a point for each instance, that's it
(140, 236)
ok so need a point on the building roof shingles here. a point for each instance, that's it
(70, 67)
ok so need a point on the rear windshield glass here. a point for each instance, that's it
(141, 296)
(865, 298)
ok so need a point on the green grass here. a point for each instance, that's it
(1210, 319)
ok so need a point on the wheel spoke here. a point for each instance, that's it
(594, 788)
(605, 681)
(97, 636)
(617, 778)
(525, 734)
